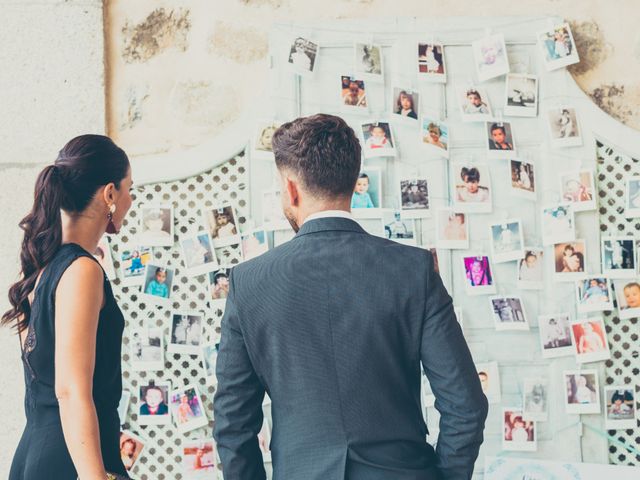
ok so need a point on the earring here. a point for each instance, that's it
(111, 228)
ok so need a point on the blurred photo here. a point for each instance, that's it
(156, 226)
(186, 409)
(555, 335)
(563, 127)
(198, 255)
(558, 47)
(522, 179)
(414, 198)
(519, 434)
(472, 187)
(222, 225)
(187, 333)
(621, 407)
(535, 399)
(435, 135)
(474, 104)
(399, 229)
(590, 340)
(558, 224)
(452, 229)
(582, 392)
(489, 375)
(132, 265)
(254, 244)
(406, 103)
(522, 95)
(103, 255)
(478, 275)
(199, 460)
(508, 313)
(147, 349)
(158, 284)
(632, 197)
(378, 140)
(490, 54)
(570, 260)
(154, 400)
(302, 55)
(500, 140)
(594, 294)
(628, 298)
(578, 189)
(352, 92)
(530, 269)
(619, 256)
(131, 447)
(507, 242)
(368, 60)
(431, 62)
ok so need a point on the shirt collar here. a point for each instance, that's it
(328, 214)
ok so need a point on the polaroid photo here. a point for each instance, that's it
(254, 244)
(474, 104)
(563, 127)
(154, 403)
(227, 255)
(558, 224)
(530, 269)
(507, 242)
(368, 61)
(582, 391)
(490, 56)
(593, 294)
(218, 287)
(132, 266)
(621, 407)
(104, 258)
(131, 446)
(262, 147)
(590, 340)
(521, 96)
(508, 313)
(123, 406)
(398, 229)
(431, 64)
(187, 332)
(522, 179)
(373, 226)
(209, 358)
(472, 187)
(405, 103)
(535, 399)
(569, 260)
(619, 257)
(519, 434)
(158, 283)
(366, 200)
(555, 335)
(434, 135)
(414, 198)
(303, 55)
(578, 189)
(199, 460)
(156, 226)
(452, 229)
(281, 237)
(272, 215)
(264, 440)
(478, 275)
(187, 409)
(198, 255)
(489, 375)
(558, 47)
(353, 97)
(628, 297)
(222, 223)
(500, 142)
(632, 196)
(378, 140)
(147, 349)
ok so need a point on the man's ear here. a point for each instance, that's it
(292, 191)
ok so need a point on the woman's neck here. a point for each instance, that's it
(83, 230)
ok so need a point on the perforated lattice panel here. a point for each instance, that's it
(622, 368)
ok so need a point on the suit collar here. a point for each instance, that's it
(329, 224)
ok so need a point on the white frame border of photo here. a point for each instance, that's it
(535, 416)
(143, 441)
(628, 211)
(471, 207)
(555, 239)
(527, 285)
(398, 118)
(626, 313)
(451, 244)
(580, 206)
(557, 143)
(233, 239)
(291, 66)
(478, 289)
(429, 148)
(568, 276)
(154, 419)
(500, 154)
(137, 281)
(154, 299)
(251, 233)
(461, 92)
(492, 72)
(559, 63)
(520, 192)
(353, 109)
(371, 77)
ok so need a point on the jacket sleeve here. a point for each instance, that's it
(238, 400)
(454, 381)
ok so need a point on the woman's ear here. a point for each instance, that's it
(108, 193)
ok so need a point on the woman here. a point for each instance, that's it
(69, 325)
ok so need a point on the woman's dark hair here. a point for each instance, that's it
(470, 174)
(84, 164)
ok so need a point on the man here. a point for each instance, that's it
(333, 326)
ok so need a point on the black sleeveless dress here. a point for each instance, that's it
(42, 453)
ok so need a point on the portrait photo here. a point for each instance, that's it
(570, 260)
(489, 375)
(632, 197)
(472, 187)
(414, 198)
(563, 127)
(628, 298)
(530, 269)
(406, 103)
(582, 392)
(555, 335)
(199, 460)
(158, 282)
(621, 407)
(262, 147)
(187, 334)
(219, 285)
(594, 294)
(558, 47)
(519, 434)
(619, 256)
(186, 409)
(103, 255)
(452, 229)
(366, 200)
(521, 96)
(590, 340)
(377, 140)
(153, 403)
(272, 215)
(578, 189)
(474, 103)
(123, 406)
(132, 265)
(209, 358)
(147, 349)
(490, 55)
(500, 142)
(535, 393)
(198, 255)
(507, 242)
(222, 224)
(131, 447)
(368, 61)
(434, 135)
(431, 64)
(156, 226)
(398, 229)
(352, 94)
(302, 55)
(254, 244)
(478, 275)
(508, 313)
(558, 224)
(523, 182)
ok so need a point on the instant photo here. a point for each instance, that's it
(222, 224)
(474, 103)
(254, 244)
(366, 199)
(507, 242)
(558, 47)
(478, 275)
(472, 188)
(405, 104)
(187, 332)
(147, 349)
(414, 198)
(156, 226)
(490, 55)
(500, 142)
(558, 224)
(628, 298)
(186, 409)
(590, 340)
(531, 269)
(377, 140)
(398, 229)
(621, 407)
(535, 399)
(303, 54)
(431, 65)
(523, 179)
(489, 375)
(158, 282)
(153, 403)
(434, 136)
(594, 294)
(132, 265)
(353, 97)
(555, 335)
(578, 189)
(564, 130)
(368, 61)
(582, 392)
(569, 258)
(521, 95)
(452, 229)
(519, 435)
(508, 313)
(619, 256)
(198, 255)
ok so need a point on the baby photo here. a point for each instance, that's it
(508, 313)
(479, 279)
(154, 404)
(558, 47)
(367, 194)
(123, 406)
(582, 392)
(569, 260)
(563, 127)
(262, 147)
(156, 226)
(628, 297)
(222, 225)
(431, 62)
(414, 198)
(187, 333)
(378, 140)
(406, 103)
(103, 255)
(619, 257)
(147, 349)
(507, 242)
(522, 179)
(302, 55)
(530, 269)
(472, 187)
(219, 285)
(558, 224)
(209, 358)
(590, 340)
(555, 335)
(254, 244)
(368, 61)
(474, 104)
(352, 93)
(272, 215)
(522, 95)
(199, 460)
(519, 434)
(157, 284)
(594, 294)
(632, 197)
(578, 189)
(435, 136)
(186, 409)
(500, 140)
(452, 229)
(621, 407)
(132, 265)
(489, 375)
(535, 399)
(490, 54)
(399, 229)
(131, 447)
(198, 255)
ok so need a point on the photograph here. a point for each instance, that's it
(535, 397)
(434, 135)
(578, 189)
(154, 403)
(563, 127)
(621, 407)
(123, 406)
(132, 266)
(519, 434)
(368, 61)
(530, 269)
(254, 244)
(156, 226)
(431, 64)
(398, 229)
(352, 94)
(500, 141)
(187, 332)
(522, 179)
(377, 140)
(593, 294)
(373, 226)
(477, 272)
(619, 256)
(508, 313)
(414, 198)
(222, 224)
(228, 255)
(198, 255)
(219, 286)
(569, 259)
(186, 409)
(366, 200)
(262, 147)
(131, 447)
(472, 187)
(199, 460)
(558, 47)
(507, 242)
(452, 229)
(489, 375)
(632, 196)
(582, 392)
(521, 96)
(555, 335)
(303, 54)
(474, 104)
(558, 224)
(103, 255)
(628, 297)
(158, 281)
(490, 55)
(272, 215)
(264, 440)
(209, 357)
(147, 349)
(590, 340)
(406, 103)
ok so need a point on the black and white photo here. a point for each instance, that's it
(521, 95)
(508, 313)
(187, 332)
(303, 54)
(156, 225)
(507, 243)
(147, 349)
(555, 335)
(414, 198)
(564, 130)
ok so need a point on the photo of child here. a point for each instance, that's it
(619, 256)
(474, 104)
(156, 226)
(406, 103)
(264, 137)
(558, 47)
(500, 140)
(219, 284)
(398, 229)
(472, 190)
(490, 54)
(368, 60)
(522, 179)
(131, 447)
(452, 229)
(507, 242)
(508, 313)
(522, 95)
(621, 407)
(519, 434)
(158, 283)
(132, 265)
(489, 375)
(578, 189)
(147, 349)
(254, 244)
(434, 134)
(628, 297)
(154, 398)
(431, 62)
(367, 194)
(199, 460)
(530, 269)
(352, 92)
(378, 140)
(479, 279)
(558, 224)
(563, 127)
(555, 335)
(103, 255)
(198, 255)
(361, 197)
(302, 55)
(589, 340)
(594, 294)
(582, 392)
(535, 398)
(414, 198)
(632, 197)
(186, 409)
(222, 225)
(569, 260)
(186, 332)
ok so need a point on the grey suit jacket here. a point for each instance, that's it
(334, 326)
